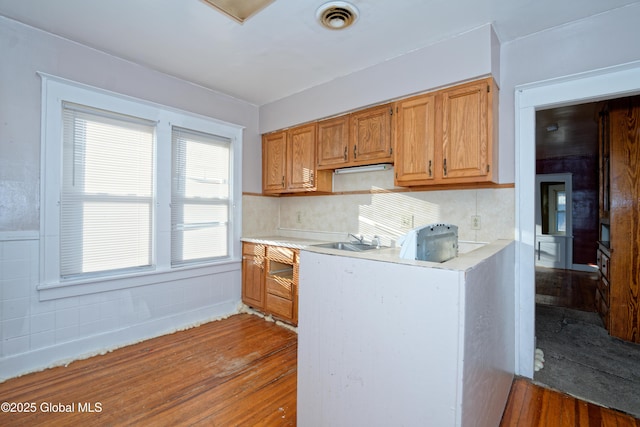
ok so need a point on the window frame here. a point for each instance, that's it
(55, 91)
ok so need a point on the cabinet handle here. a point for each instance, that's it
(282, 181)
(429, 167)
(445, 167)
(311, 178)
(345, 152)
(355, 154)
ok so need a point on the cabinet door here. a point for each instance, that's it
(274, 158)
(253, 276)
(333, 142)
(624, 216)
(370, 138)
(467, 132)
(415, 141)
(302, 158)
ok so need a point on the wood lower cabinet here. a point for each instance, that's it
(619, 256)
(448, 136)
(275, 291)
(253, 265)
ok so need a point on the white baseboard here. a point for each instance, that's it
(65, 353)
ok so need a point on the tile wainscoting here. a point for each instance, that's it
(35, 334)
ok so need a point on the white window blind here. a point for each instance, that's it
(199, 196)
(107, 194)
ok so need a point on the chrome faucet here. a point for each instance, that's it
(359, 239)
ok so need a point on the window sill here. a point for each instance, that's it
(57, 290)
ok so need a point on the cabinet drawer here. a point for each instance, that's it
(280, 306)
(253, 249)
(605, 265)
(603, 287)
(280, 286)
(280, 254)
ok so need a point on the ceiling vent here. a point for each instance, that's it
(337, 15)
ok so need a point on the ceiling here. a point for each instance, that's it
(282, 49)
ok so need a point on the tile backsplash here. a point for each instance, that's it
(379, 211)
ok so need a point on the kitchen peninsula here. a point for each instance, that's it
(384, 341)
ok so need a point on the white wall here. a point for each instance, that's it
(547, 58)
(600, 41)
(35, 333)
(465, 57)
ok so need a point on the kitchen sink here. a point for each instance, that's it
(348, 246)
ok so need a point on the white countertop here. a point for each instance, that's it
(461, 263)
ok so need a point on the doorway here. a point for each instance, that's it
(554, 232)
(610, 83)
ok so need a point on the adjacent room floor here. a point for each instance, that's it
(580, 357)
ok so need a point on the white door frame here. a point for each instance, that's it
(613, 82)
(565, 241)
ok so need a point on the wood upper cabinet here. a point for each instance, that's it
(274, 162)
(442, 137)
(360, 138)
(333, 142)
(467, 131)
(370, 138)
(448, 136)
(301, 163)
(289, 162)
(415, 144)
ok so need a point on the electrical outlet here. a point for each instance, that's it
(406, 221)
(475, 222)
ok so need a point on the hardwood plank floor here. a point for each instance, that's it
(239, 371)
(566, 288)
(532, 406)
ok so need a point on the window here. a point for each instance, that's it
(561, 211)
(553, 208)
(199, 197)
(133, 191)
(106, 204)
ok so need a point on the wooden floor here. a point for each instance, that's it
(240, 371)
(533, 406)
(566, 288)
